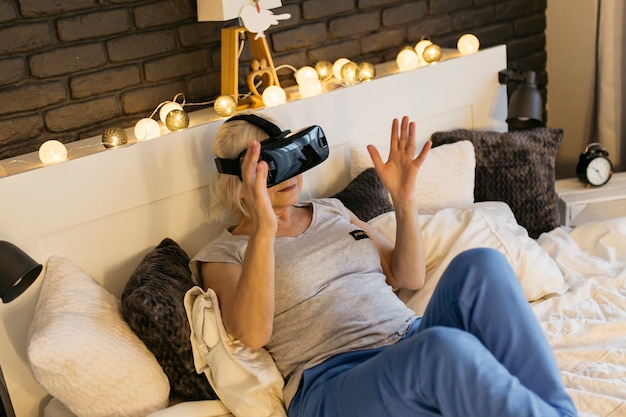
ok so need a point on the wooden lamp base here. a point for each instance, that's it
(230, 63)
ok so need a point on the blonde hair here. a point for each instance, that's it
(230, 140)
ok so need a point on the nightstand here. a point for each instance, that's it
(578, 203)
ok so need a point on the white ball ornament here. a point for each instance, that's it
(407, 60)
(468, 44)
(273, 96)
(146, 129)
(306, 73)
(52, 151)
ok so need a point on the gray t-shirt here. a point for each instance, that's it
(330, 292)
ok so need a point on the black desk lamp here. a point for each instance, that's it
(17, 272)
(525, 104)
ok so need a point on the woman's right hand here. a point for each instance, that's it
(254, 190)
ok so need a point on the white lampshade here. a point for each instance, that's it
(222, 10)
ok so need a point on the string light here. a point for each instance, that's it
(324, 70)
(177, 119)
(367, 72)
(468, 44)
(147, 128)
(420, 46)
(167, 107)
(225, 106)
(114, 137)
(306, 73)
(52, 151)
(337, 65)
(406, 59)
(432, 54)
(274, 96)
(350, 73)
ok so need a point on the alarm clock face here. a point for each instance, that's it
(599, 171)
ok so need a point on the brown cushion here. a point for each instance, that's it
(516, 167)
(153, 306)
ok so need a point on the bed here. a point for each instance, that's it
(104, 223)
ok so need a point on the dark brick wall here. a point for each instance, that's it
(69, 69)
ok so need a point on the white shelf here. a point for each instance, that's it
(578, 203)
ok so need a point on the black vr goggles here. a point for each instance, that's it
(287, 154)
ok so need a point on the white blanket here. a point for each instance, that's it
(586, 326)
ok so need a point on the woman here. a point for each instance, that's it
(312, 283)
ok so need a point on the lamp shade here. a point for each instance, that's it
(17, 271)
(222, 10)
(526, 104)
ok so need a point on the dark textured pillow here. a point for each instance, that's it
(516, 167)
(153, 306)
(366, 196)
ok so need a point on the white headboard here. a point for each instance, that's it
(106, 210)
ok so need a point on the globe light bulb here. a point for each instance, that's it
(324, 70)
(306, 73)
(52, 151)
(337, 65)
(310, 87)
(468, 44)
(114, 137)
(367, 72)
(273, 96)
(147, 128)
(350, 73)
(432, 54)
(225, 105)
(406, 60)
(168, 107)
(177, 120)
(420, 46)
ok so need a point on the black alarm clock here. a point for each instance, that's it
(594, 166)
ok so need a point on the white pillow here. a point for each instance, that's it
(489, 224)
(445, 180)
(83, 353)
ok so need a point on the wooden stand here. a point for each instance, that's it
(231, 38)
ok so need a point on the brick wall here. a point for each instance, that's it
(69, 69)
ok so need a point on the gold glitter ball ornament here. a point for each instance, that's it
(324, 70)
(432, 53)
(114, 137)
(177, 120)
(367, 72)
(225, 105)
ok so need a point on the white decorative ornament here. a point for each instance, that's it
(407, 60)
(52, 151)
(273, 96)
(337, 65)
(147, 128)
(306, 73)
(257, 19)
(468, 44)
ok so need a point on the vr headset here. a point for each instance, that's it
(287, 154)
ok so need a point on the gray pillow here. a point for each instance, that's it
(516, 167)
(153, 306)
(366, 196)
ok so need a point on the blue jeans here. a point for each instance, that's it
(477, 352)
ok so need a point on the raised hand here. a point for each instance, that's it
(399, 173)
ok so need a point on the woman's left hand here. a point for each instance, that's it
(399, 173)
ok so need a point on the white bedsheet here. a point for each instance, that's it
(586, 326)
